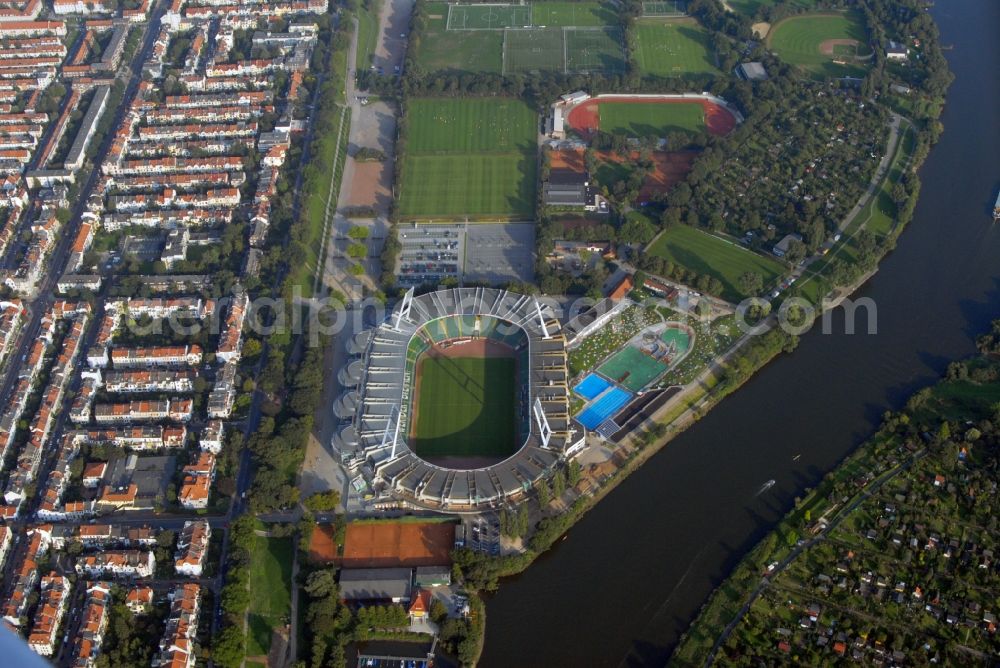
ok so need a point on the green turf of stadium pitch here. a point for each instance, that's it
(651, 119)
(466, 407)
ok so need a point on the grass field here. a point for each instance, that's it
(748, 7)
(707, 254)
(367, 35)
(442, 50)
(475, 185)
(652, 119)
(487, 17)
(270, 587)
(465, 407)
(673, 48)
(452, 125)
(662, 8)
(559, 50)
(595, 50)
(573, 14)
(797, 40)
(469, 157)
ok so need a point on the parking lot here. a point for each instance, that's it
(500, 252)
(483, 535)
(430, 253)
(490, 252)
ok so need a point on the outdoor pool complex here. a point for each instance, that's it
(604, 407)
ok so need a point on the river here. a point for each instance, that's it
(631, 575)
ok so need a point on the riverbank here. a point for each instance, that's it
(838, 518)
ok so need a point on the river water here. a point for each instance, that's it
(629, 578)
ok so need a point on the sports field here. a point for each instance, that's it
(454, 125)
(395, 544)
(573, 14)
(650, 116)
(488, 17)
(465, 407)
(710, 255)
(662, 8)
(652, 119)
(824, 45)
(438, 49)
(564, 50)
(469, 157)
(673, 48)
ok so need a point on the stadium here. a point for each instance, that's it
(462, 401)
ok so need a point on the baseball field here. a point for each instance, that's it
(825, 45)
(473, 156)
(673, 48)
(465, 406)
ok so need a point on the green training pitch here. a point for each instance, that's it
(456, 51)
(488, 17)
(651, 119)
(710, 255)
(673, 48)
(814, 41)
(469, 157)
(475, 185)
(437, 49)
(465, 407)
(573, 14)
(476, 125)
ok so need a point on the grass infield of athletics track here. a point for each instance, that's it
(797, 40)
(469, 156)
(465, 406)
(708, 254)
(651, 119)
(668, 48)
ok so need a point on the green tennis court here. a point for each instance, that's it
(632, 368)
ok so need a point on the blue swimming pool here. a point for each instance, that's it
(591, 386)
(604, 407)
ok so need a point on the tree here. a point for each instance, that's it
(320, 584)
(544, 495)
(573, 472)
(228, 648)
(558, 484)
(751, 283)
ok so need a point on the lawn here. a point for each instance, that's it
(469, 157)
(439, 50)
(487, 17)
(270, 587)
(797, 40)
(573, 14)
(673, 48)
(708, 254)
(499, 185)
(652, 119)
(882, 210)
(534, 50)
(465, 406)
(367, 35)
(322, 184)
(461, 51)
(476, 125)
(600, 50)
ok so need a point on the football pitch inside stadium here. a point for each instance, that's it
(465, 407)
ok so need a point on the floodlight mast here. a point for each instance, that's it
(404, 310)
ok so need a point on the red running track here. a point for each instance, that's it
(585, 118)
